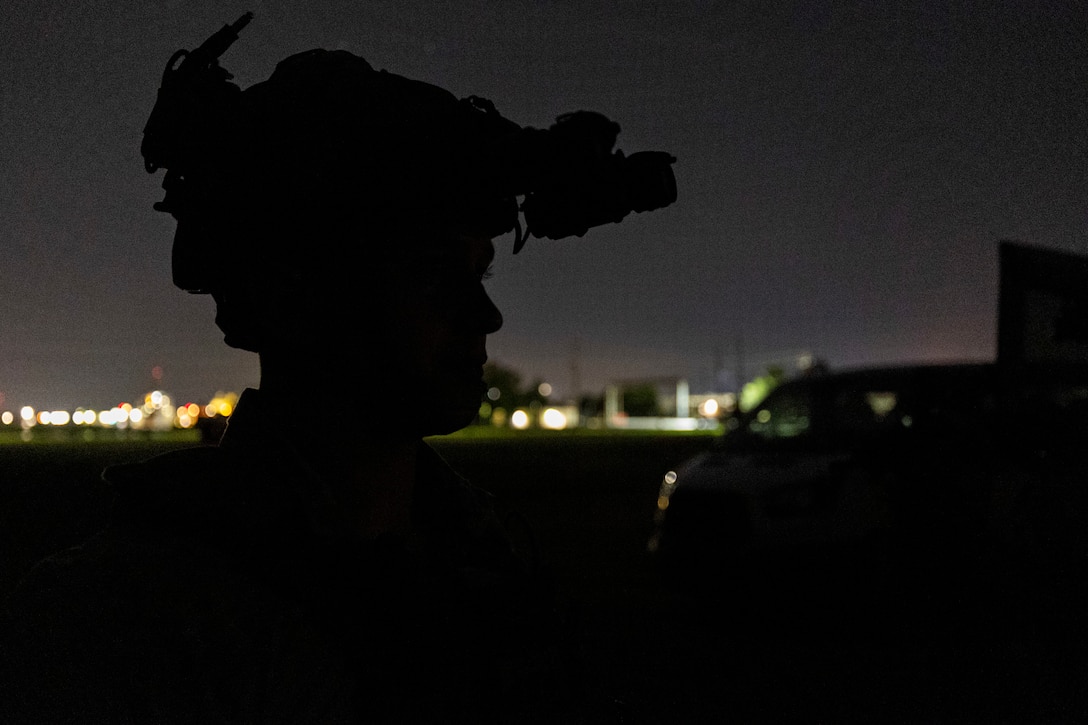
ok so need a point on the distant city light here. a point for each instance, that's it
(155, 412)
(519, 419)
(553, 419)
(222, 404)
(54, 417)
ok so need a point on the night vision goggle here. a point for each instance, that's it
(563, 180)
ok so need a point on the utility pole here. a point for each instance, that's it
(576, 370)
(716, 369)
(740, 363)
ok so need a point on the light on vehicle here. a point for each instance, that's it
(668, 483)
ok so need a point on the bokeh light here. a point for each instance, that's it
(519, 419)
(553, 419)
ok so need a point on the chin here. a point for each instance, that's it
(449, 420)
(437, 417)
(430, 423)
(452, 408)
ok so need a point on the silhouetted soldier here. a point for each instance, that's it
(305, 571)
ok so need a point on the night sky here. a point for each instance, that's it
(845, 173)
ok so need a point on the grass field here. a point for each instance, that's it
(589, 498)
(586, 494)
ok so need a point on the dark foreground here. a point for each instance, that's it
(861, 640)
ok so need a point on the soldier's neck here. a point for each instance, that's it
(369, 468)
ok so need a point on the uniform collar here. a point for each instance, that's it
(255, 438)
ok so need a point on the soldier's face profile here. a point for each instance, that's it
(399, 324)
(430, 339)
